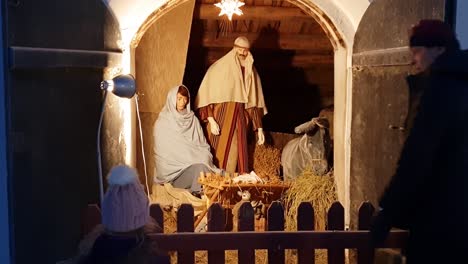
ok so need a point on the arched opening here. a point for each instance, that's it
(302, 59)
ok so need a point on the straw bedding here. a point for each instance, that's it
(267, 163)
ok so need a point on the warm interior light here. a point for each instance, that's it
(230, 7)
(123, 86)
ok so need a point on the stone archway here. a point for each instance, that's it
(340, 28)
(340, 46)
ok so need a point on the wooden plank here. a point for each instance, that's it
(228, 219)
(312, 27)
(286, 4)
(36, 58)
(266, 41)
(215, 224)
(216, 218)
(366, 211)
(246, 223)
(267, 2)
(305, 221)
(209, 11)
(211, 26)
(285, 240)
(157, 214)
(275, 222)
(255, 26)
(305, 217)
(335, 217)
(221, 51)
(335, 221)
(185, 218)
(256, 185)
(185, 224)
(365, 255)
(210, 202)
(383, 58)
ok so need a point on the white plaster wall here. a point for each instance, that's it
(345, 15)
(462, 23)
(353, 9)
(341, 133)
(131, 14)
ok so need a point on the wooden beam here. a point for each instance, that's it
(36, 58)
(279, 60)
(264, 41)
(283, 240)
(209, 11)
(268, 53)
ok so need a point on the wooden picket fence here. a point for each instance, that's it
(274, 239)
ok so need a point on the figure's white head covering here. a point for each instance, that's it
(242, 42)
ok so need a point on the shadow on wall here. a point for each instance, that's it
(196, 65)
(290, 99)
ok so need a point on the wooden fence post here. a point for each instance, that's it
(365, 255)
(335, 221)
(185, 224)
(305, 222)
(275, 222)
(158, 215)
(215, 224)
(246, 223)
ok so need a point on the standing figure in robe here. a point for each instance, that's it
(230, 100)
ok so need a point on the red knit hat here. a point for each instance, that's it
(433, 33)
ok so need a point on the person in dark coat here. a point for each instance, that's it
(428, 195)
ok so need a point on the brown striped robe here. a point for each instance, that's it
(229, 148)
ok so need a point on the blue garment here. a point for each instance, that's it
(179, 142)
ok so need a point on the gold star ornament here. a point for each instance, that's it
(230, 7)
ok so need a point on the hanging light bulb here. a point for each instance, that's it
(230, 7)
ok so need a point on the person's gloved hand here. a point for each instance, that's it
(261, 136)
(214, 127)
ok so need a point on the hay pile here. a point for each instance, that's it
(321, 191)
(170, 221)
(267, 163)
